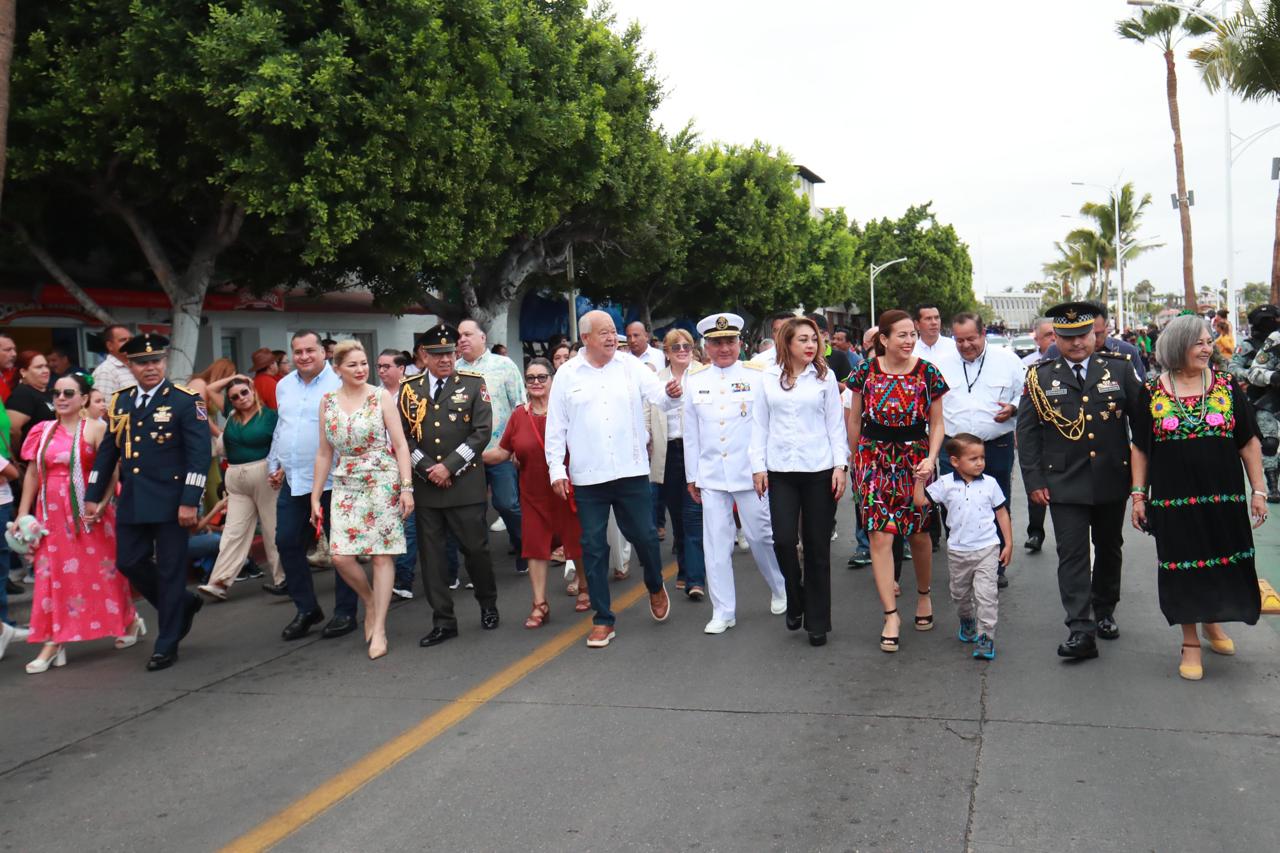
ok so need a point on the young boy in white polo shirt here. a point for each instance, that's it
(975, 505)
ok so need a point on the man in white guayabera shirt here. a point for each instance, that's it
(596, 415)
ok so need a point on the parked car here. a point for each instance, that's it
(1023, 345)
(998, 341)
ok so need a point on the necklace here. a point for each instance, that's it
(1204, 400)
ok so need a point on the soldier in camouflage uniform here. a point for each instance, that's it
(1256, 364)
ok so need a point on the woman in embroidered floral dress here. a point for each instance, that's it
(79, 593)
(1188, 450)
(372, 489)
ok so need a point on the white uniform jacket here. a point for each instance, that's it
(718, 406)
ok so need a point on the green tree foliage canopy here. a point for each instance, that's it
(938, 267)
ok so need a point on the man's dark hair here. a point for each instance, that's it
(4, 333)
(1098, 307)
(819, 321)
(847, 334)
(328, 342)
(60, 350)
(398, 355)
(968, 317)
(776, 318)
(107, 333)
(302, 333)
(921, 306)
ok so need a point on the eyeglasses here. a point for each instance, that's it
(65, 393)
(537, 378)
(679, 347)
(243, 395)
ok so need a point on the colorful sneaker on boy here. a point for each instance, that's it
(985, 648)
(968, 630)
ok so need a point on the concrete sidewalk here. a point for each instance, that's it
(668, 739)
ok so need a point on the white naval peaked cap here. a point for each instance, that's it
(723, 325)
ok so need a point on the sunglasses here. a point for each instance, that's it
(243, 395)
(65, 393)
(680, 347)
(537, 378)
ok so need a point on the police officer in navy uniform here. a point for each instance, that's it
(159, 433)
(447, 419)
(1073, 445)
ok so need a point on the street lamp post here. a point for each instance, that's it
(876, 270)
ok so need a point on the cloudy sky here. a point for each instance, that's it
(990, 109)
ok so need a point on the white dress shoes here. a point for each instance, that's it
(778, 605)
(10, 634)
(719, 626)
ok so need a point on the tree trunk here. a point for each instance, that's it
(8, 27)
(1184, 206)
(59, 275)
(1275, 259)
(184, 332)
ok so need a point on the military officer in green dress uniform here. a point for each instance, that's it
(1073, 446)
(1256, 365)
(447, 421)
(159, 434)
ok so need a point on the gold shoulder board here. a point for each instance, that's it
(698, 368)
(753, 365)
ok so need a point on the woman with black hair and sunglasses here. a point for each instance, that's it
(246, 441)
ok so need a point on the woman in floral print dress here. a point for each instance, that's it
(372, 489)
(1188, 450)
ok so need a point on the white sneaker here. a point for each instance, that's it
(778, 605)
(742, 542)
(498, 526)
(10, 634)
(719, 626)
(834, 536)
(406, 594)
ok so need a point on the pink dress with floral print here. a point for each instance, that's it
(79, 593)
(366, 482)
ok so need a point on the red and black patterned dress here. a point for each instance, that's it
(1198, 509)
(894, 439)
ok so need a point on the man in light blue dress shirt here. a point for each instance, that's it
(291, 464)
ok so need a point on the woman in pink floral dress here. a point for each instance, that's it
(372, 489)
(79, 593)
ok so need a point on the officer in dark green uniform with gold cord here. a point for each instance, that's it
(159, 433)
(1073, 445)
(447, 420)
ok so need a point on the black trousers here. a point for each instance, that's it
(1087, 598)
(469, 525)
(1035, 519)
(154, 559)
(803, 509)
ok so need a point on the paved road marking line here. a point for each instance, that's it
(337, 788)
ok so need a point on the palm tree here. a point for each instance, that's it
(1070, 267)
(1245, 57)
(1164, 27)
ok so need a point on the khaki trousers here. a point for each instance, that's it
(973, 586)
(250, 501)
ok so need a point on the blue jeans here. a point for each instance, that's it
(659, 506)
(407, 563)
(293, 536)
(504, 483)
(6, 515)
(203, 551)
(631, 500)
(686, 519)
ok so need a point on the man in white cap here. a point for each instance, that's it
(717, 430)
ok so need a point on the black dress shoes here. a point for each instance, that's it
(1079, 646)
(194, 603)
(437, 636)
(301, 624)
(794, 622)
(1002, 581)
(161, 661)
(275, 588)
(1107, 628)
(817, 639)
(338, 626)
(1034, 543)
(489, 618)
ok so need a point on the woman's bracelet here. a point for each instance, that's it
(406, 484)
(1260, 493)
(1139, 490)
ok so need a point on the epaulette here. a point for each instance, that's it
(471, 373)
(414, 378)
(1108, 354)
(698, 368)
(753, 365)
(123, 390)
(185, 390)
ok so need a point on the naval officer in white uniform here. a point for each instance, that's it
(717, 431)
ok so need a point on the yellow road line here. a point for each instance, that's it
(311, 805)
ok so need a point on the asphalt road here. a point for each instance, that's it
(669, 739)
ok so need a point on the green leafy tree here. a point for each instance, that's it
(1165, 27)
(1253, 294)
(938, 266)
(431, 151)
(1244, 56)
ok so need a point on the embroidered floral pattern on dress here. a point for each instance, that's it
(1182, 565)
(1180, 419)
(1197, 500)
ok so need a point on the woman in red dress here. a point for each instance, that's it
(79, 593)
(896, 432)
(545, 516)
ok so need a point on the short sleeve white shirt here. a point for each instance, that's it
(971, 510)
